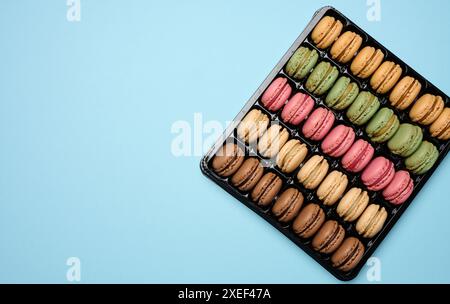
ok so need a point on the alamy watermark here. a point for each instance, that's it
(73, 273)
(373, 10)
(73, 10)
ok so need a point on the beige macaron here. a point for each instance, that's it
(352, 204)
(366, 62)
(326, 32)
(441, 127)
(253, 126)
(427, 109)
(385, 77)
(371, 221)
(345, 48)
(332, 188)
(272, 141)
(291, 155)
(405, 92)
(313, 172)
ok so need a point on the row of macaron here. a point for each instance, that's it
(309, 222)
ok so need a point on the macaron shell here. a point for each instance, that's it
(352, 204)
(266, 189)
(248, 175)
(326, 32)
(332, 188)
(427, 109)
(276, 94)
(348, 255)
(400, 189)
(371, 221)
(378, 174)
(338, 141)
(423, 159)
(366, 62)
(329, 238)
(405, 92)
(309, 221)
(441, 127)
(291, 155)
(272, 141)
(302, 62)
(297, 109)
(342, 94)
(358, 156)
(383, 125)
(322, 78)
(253, 126)
(406, 140)
(288, 205)
(346, 46)
(318, 124)
(363, 108)
(313, 172)
(385, 77)
(227, 160)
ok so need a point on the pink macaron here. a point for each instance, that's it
(400, 188)
(276, 94)
(378, 174)
(297, 109)
(358, 156)
(338, 141)
(318, 124)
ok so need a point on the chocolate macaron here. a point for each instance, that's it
(348, 255)
(329, 237)
(266, 189)
(248, 175)
(309, 221)
(288, 205)
(227, 160)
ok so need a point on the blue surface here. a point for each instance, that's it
(86, 168)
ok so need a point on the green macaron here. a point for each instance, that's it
(423, 159)
(342, 94)
(322, 78)
(382, 126)
(302, 62)
(363, 108)
(406, 140)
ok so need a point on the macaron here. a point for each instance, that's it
(427, 109)
(291, 155)
(406, 140)
(318, 124)
(309, 221)
(441, 127)
(346, 46)
(276, 94)
(366, 62)
(338, 141)
(253, 126)
(297, 109)
(383, 125)
(421, 161)
(302, 62)
(385, 77)
(405, 92)
(363, 108)
(400, 189)
(227, 160)
(326, 32)
(272, 141)
(266, 189)
(378, 174)
(313, 172)
(288, 205)
(348, 255)
(322, 78)
(329, 237)
(371, 221)
(358, 156)
(332, 188)
(248, 175)
(352, 204)
(342, 94)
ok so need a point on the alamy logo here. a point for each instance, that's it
(374, 271)
(374, 10)
(73, 10)
(73, 273)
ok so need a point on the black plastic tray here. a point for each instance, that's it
(394, 212)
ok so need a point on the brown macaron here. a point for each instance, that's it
(346, 47)
(441, 127)
(366, 62)
(385, 77)
(326, 32)
(248, 175)
(288, 205)
(405, 92)
(348, 255)
(266, 189)
(309, 221)
(329, 237)
(227, 160)
(427, 109)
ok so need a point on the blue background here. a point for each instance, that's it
(86, 168)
